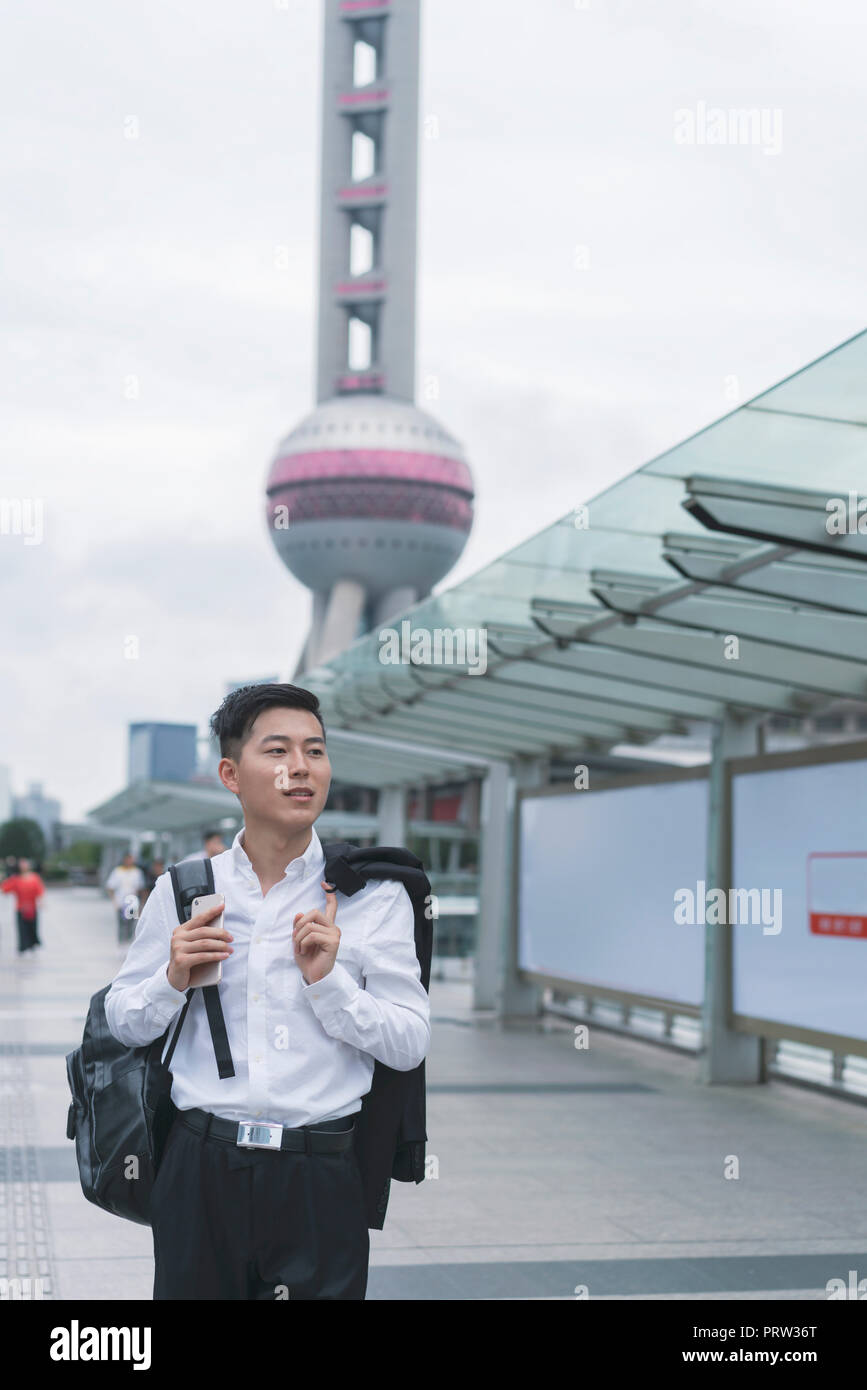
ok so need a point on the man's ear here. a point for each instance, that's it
(228, 774)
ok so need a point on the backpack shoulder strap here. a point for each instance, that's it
(190, 880)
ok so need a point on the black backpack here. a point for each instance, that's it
(122, 1111)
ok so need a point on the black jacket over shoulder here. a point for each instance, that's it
(390, 1130)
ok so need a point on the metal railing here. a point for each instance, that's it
(816, 1068)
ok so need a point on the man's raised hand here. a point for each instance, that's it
(316, 937)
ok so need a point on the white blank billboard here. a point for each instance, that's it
(598, 871)
(803, 830)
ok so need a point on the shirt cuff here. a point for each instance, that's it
(163, 996)
(333, 992)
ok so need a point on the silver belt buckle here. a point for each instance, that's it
(259, 1136)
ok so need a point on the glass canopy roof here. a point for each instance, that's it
(611, 625)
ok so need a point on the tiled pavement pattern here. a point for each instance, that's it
(25, 1241)
(558, 1171)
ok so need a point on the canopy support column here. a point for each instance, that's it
(392, 816)
(497, 982)
(727, 1057)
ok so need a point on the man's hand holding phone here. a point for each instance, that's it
(199, 946)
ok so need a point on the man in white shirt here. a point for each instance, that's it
(309, 1003)
(123, 886)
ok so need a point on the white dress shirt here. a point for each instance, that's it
(302, 1053)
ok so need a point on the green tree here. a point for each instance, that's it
(23, 838)
(84, 853)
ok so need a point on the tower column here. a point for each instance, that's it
(395, 601)
(308, 652)
(345, 607)
(392, 816)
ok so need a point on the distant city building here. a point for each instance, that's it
(34, 805)
(162, 752)
(5, 794)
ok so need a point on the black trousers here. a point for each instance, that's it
(28, 933)
(234, 1223)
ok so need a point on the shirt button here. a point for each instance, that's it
(258, 939)
(255, 998)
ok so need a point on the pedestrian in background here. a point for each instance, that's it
(212, 845)
(123, 886)
(28, 888)
(151, 873)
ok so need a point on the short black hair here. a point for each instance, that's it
(209, 835)
(232, 722)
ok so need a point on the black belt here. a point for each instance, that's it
(326, 1136)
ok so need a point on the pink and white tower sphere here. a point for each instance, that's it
(370, 502)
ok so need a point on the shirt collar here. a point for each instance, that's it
(312, 859)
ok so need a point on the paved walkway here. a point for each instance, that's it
(558, 1170)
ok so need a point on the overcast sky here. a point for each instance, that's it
(559, 368)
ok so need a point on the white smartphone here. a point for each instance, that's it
(211, 972)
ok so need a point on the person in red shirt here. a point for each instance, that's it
(28, 889)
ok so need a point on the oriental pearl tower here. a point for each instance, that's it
(369, 498)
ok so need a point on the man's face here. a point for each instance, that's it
(128, 861)
(284, 754)
(24, 866)
(214, 845)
